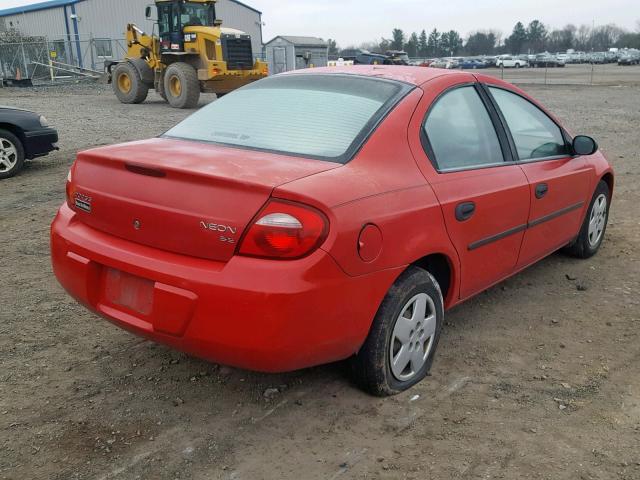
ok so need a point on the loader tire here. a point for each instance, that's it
(128, 85)
(160, 89)
(181, 85)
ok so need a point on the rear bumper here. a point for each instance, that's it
(40, 142)
(258, 314)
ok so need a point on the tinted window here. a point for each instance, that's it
(194, 15)
(460, 131)
(534, 133)
(319, 116)
(164, 16)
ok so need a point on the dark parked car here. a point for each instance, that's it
(471, 63)
(544, 60)
(364, 57)
(629, 59)
(397, 57)
(23, 135)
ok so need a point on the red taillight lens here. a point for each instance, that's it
(69, 188)
(284, 230)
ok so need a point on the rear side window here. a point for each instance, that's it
(460, 132)
(533, 132)
(318, 116)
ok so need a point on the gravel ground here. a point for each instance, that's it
(535, 378)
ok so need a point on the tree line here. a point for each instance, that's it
(532, 38)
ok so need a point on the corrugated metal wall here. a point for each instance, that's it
(42, 24)
(46, 23)
(108, 19)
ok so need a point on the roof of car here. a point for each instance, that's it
(408, 74)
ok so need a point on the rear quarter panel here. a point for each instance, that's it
(382, 185)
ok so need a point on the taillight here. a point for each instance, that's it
(69, 189)
(284, 230)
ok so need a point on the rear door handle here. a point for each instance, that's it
(465, 210)
(541, 190)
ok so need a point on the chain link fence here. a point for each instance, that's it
(570, 74)
(51, 60)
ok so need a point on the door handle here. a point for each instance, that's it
(541, 190)
(465, 210)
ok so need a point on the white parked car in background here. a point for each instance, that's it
(511, 62)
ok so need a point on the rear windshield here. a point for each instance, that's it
(318, 116)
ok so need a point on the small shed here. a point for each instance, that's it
(285, 53)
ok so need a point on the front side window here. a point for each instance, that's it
(460, 132)
(196, 15)
(534, 133)
(164, 19)
(317, 116)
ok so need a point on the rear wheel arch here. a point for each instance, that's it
(442, 268)
(608, 179)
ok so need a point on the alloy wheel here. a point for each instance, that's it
(8, 155)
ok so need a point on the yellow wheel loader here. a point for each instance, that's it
(191, 53)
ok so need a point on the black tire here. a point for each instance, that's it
(582, 246)
(371, 366)
(187, 94)
(11, 154)
(160, 89)
(127, 84)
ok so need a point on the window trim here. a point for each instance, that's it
(95, 45)
(501, 134)
(512, 145)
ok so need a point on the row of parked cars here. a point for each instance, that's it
(621, 57)
(502, 61)
(545, 60)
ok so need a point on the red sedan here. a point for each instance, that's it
(327, 214)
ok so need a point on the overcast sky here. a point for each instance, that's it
(355, 21)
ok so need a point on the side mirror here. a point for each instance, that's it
(583, 145)
(147, 12)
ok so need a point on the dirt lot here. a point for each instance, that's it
(536, 378)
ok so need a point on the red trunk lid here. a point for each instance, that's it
(181, 196)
